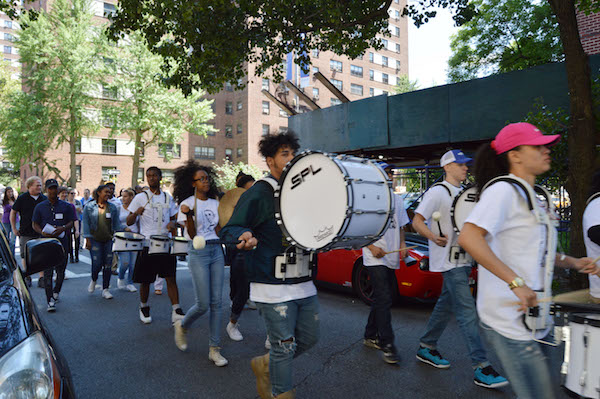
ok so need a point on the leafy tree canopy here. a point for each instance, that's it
(228, 171)
(405, 85)
(503, 36)
(216, 39)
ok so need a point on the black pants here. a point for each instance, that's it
(60, 277)
(380, 318)
(239, 287)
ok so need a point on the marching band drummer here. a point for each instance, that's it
(196, 192)
(447, 258)
(509, 242)
(157, 212)
(289, 306)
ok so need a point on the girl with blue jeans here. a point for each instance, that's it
(196, 193)
(7, 202)
(126, 259)
(100, 221)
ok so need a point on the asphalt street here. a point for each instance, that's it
(111, 354)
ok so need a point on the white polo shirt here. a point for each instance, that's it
(591, 217)
(435, 199)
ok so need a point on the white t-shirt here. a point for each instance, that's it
(390, 241)
(276, 293)
(591, 217)
(157, 212)
(438, 199)
(123, 213)
(515, 237)
(206, 219)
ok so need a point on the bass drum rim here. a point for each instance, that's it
(454, 202)
(277, 195)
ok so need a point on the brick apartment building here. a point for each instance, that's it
(589, 31)
(242, 117)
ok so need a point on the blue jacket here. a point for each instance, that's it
(90, 218)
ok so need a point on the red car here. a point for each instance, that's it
(345, 268)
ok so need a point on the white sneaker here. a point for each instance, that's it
(55, 296)
(131, 288)
(121, 284)
(145, 315)
(177, 314)
(92, 286)
(268, 344)
(233, 331)
(215, 356)
(180, 336)
(106, 294)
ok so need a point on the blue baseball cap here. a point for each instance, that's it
(454, 156)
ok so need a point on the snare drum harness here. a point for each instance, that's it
(160, 218)
(539, 317)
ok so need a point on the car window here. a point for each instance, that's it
(5, 259)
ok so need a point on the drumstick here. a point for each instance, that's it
(199, 242)
(401, 249)
(436, 216)
(553, 298)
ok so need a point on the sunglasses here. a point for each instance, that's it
(202, 179)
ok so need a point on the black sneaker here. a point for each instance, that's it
(51, 306)
(390, 354)
(372, 343)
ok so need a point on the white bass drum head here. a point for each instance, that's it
(462, 206)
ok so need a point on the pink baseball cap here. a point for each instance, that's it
(521, 133)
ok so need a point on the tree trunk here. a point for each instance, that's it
(72, 153)
(136, 158)
(581, 138)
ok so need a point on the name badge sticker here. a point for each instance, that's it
(108, 215)
(59, 216)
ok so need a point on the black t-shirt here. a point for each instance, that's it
(25, 204)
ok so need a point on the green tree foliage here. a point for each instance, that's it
(405, 85)
(228, 171)
(503, 36)
(9, 84)
(60, 52)
(143, 107)
(216, 40)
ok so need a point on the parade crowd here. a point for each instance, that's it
(511, 242)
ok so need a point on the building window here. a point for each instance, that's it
(384, 61)
(78, 172)
(338, 84)
(229, 108)
(8, 37)
(398, 65)
(315, 53)
(396, 14)
(396, 31)
(228, 154)
(384, 78)
(265, 84)
(371, 74)
(265, 130)
(397, 80)
(335, 65)
(171, 150)
(109, 10)
(356, 71)
(371, 57)
(204, 152)
(240, 129)
(385, 43)
(265, 108)
(315, 93)
(283, 113)
(8, 24)
(141, 176)
(109, 146)
(356, 89)
(239, 152)
(397, 47)
(212, 130)
(239, 105)
(108, 172)
(283, 129)
(109, 93)
(229, 131)
(335, 101)
(228, 86)
(315, 70)
(7, 50)
(384, 92)
(78, 145)
(371, 91)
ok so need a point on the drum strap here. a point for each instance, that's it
(593, 197)
(442, 184)
(272, 182)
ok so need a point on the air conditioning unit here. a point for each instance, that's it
(315, 98)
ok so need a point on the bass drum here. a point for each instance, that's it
(328, 201)
(462, 206)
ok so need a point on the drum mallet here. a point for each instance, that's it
(436, 216)
(199, 242)
(401, 249)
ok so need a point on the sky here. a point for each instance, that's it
(429, 50)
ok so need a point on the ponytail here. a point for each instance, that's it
(489, 165)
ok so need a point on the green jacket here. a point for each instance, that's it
(255, 212)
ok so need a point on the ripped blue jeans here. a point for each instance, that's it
(297, 320)
(101, 254)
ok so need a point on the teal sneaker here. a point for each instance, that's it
(432, 357)
(488, 377)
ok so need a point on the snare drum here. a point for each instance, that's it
(179, 246)
(583, 370)
(124, 241)
(159, 245)
(328, 201)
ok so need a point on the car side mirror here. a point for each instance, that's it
(42, 254)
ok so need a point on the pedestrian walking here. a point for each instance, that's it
(8, 201)
(127, 259)
(196, 192)
(54, 218)
(100, 222)
(75, 234)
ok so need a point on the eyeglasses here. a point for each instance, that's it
(202, 179)
(71, 193)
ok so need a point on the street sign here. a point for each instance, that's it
(114, 172)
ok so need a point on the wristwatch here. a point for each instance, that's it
(516, 283)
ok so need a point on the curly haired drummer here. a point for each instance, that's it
(288, 306)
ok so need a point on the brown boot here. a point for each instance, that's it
(260, 367)
(287, 395)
